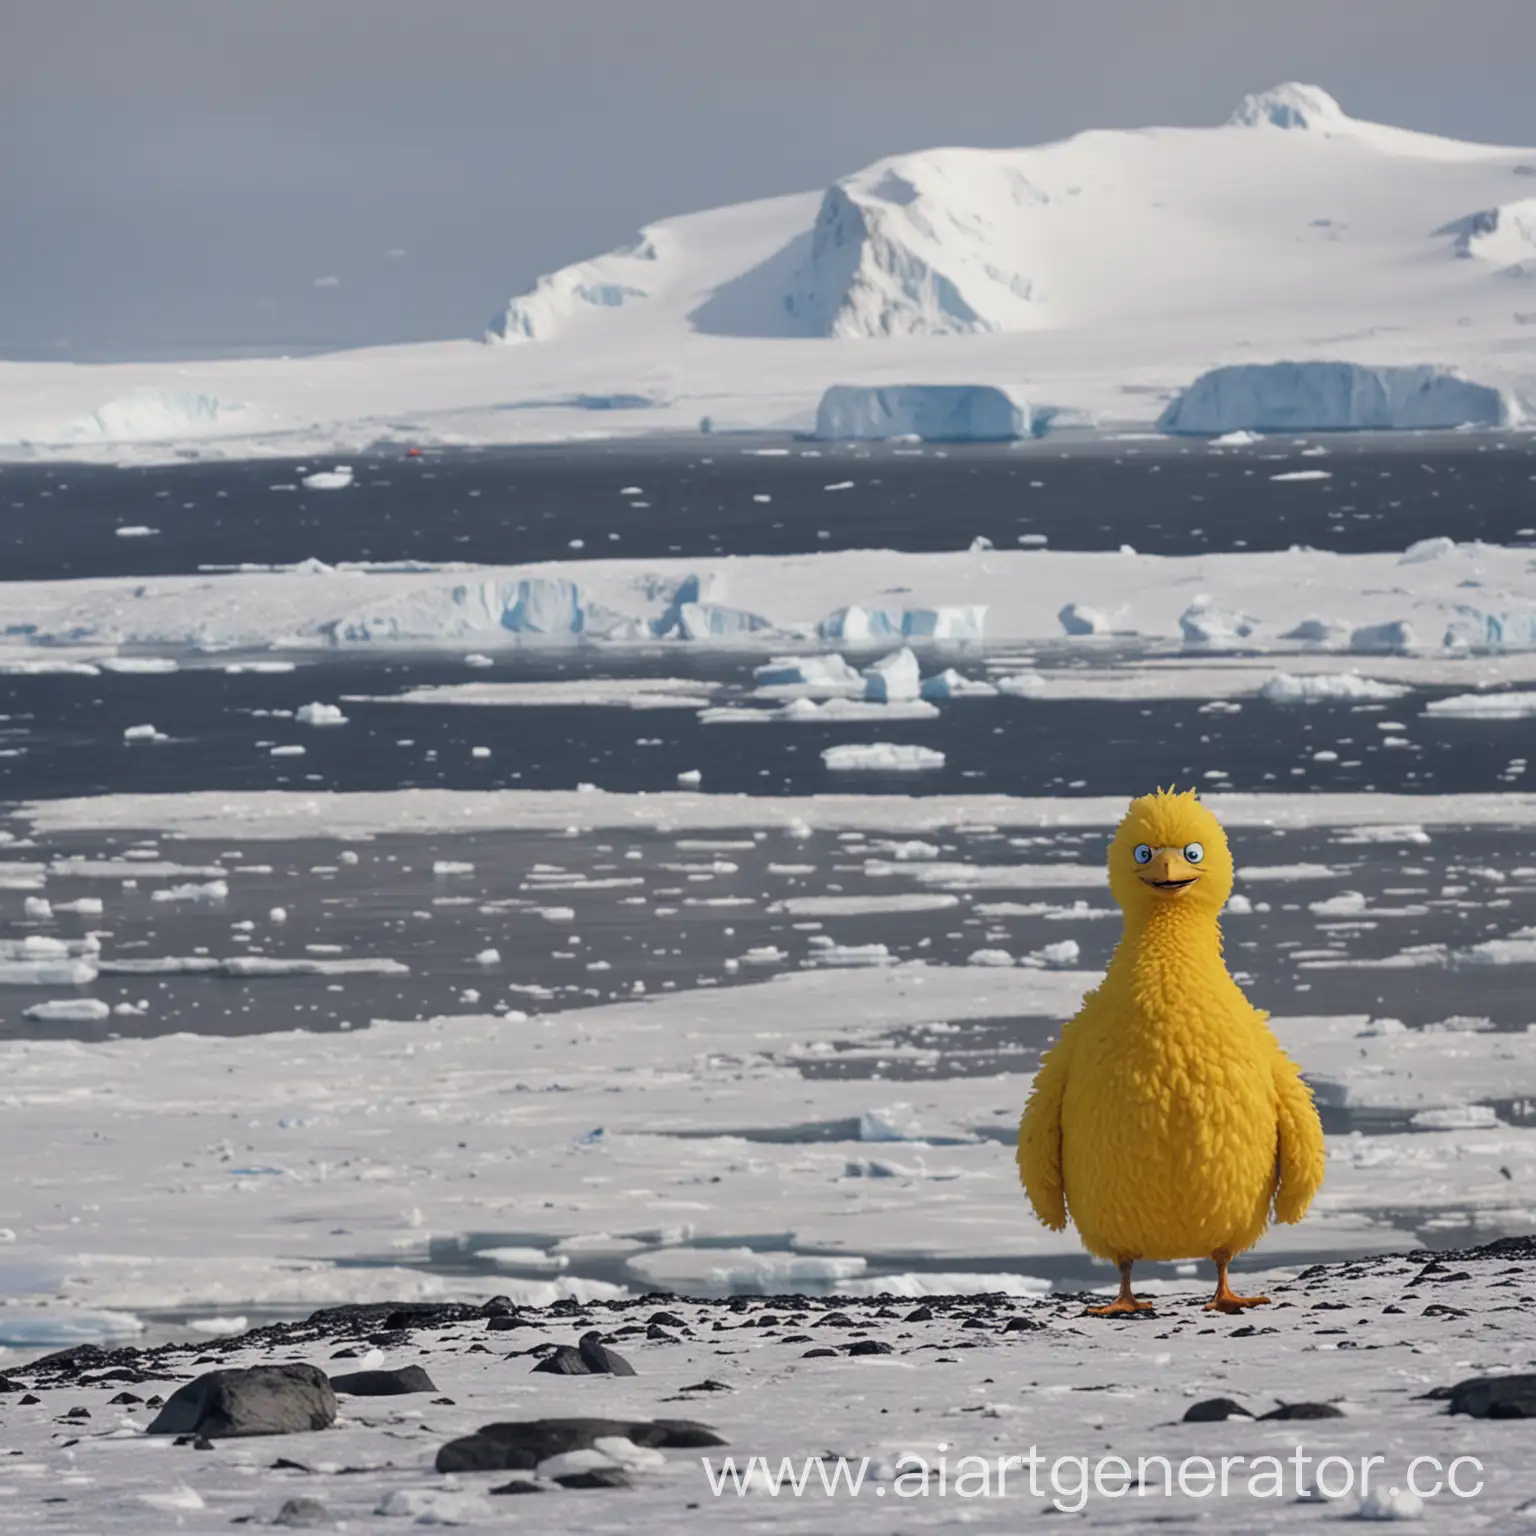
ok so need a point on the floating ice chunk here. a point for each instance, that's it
(849, 955)
(203, 890)
(1061, 955)
(37, 909)
(488, 957)
(1395, 635)
(1334, 396)
(143, 733)
(1076, 619)
(1345, 904)
(451, 867)
(69, 1010)
(892, 678)
(1290, 688)
(1303, 474)
(47, 973)
(535, 1259)
(950, 684)
(948, 1283)
(218, 1327)
(330, 479)
(287, 750)
(742, 1269)
(1455, 1117)
(928, 412)
(28, 1327)
(146, 665)
(83, 906)
(319, 714)
(881, 757)
(475, 659)
(997, 957)
(830, 674)
(1516, 704)
(135, 531)
(1242, 438)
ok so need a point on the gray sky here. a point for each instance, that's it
(176, 174)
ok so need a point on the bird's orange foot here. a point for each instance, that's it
(1228, 1301)
(1121, 1306)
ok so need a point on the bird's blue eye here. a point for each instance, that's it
(1142, 854)
(1193, 852)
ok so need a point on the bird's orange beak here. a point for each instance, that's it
(1169, 872)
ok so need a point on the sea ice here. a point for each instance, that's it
(319, 714)
(881, 757)
(329, 479)
(893, 678)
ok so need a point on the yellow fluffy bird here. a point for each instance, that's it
(1167, 1119)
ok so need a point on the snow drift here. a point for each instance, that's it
(932, 412)
(1334, 397)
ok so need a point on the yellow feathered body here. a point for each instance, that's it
(1167, 1121)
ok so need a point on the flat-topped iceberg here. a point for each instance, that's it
(1334, 397)
(932, 412)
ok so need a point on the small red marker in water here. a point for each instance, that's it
(413, 453)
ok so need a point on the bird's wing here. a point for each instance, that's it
(1040, 1135)
(1303, 1153)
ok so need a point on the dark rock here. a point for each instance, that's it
(519, 1485)
(283, 1464)
(504, 1322)
(1214, 1409)
(666, 1320)
(1495, 1397)
(836, 1320)
(409, 1378)
(1439, 1309)
(123, 1399)
(919, 1315)
(29, 1400)
(1022, 1325)
(596, 1477)
(563, 1360)
(870, 1347)
(819, 1353)
(659, 1335)
(304, 1515)
(1303, 1411)
(70, 1362)
(7, 1385)
(201, 1443)
(264, 1400)
(601, 1360)
(154, 1402)
(520, 1445)
(708, 1385)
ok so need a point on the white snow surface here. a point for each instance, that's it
(1099, 275)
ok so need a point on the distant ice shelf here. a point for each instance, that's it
(928, 412)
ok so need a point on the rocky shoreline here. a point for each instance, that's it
(359, 1416)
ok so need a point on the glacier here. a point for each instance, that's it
(933, 412)
(1318, 396)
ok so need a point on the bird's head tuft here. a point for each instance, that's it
(1170, 851)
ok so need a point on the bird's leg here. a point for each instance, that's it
(1226, 1299)
(1125, 1304)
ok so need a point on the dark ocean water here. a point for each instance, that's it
(728, 495)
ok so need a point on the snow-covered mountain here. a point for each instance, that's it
(1291, 202)
(1096, 277)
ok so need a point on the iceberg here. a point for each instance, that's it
(819, 675)
(873, 624)
(930, 412)
(950, 684)
(1289, 688)
(1494, 629)
(1078, 620)
(1334, 397)
(881, 757)
(893, 678)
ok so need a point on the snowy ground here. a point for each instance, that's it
(899, 1387)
